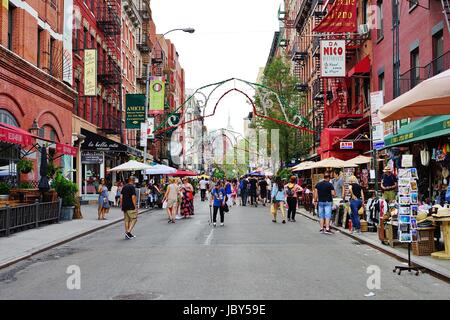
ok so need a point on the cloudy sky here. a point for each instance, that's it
(232, 39)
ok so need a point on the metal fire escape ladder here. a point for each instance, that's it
(446, 12)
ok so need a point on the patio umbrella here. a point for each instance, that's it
(257, 174)
(131, 165)
(359, 160)
(182, 173)
(429, 98)
(43, 185)
(303, 166)
(160, 169)
(332, 163)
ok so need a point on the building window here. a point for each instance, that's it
(84, 108)
(39, 42)
(366, 88)
(7, 118)
(77, 98)
(438, 51)
(365, 11)
(51, 56)
(11, 25)
(381, 83)
(380, 28)
(415, 68)
(85, 39)
(76, 39)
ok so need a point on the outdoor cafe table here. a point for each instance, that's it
(445, 255)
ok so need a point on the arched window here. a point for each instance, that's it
(8, 118)
(50, 133)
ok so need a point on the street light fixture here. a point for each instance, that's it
(149, 75)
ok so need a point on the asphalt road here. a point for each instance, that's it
(249, 258)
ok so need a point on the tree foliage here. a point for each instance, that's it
(278, 78)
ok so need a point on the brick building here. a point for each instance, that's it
(412, 43)
(338, 109)
(33, 66)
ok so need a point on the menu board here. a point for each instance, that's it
(348, 172)
(408, 200)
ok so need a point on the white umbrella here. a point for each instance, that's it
(160, 169)
(131, 165)
(333, 163)
(304, 166)
(359, 160)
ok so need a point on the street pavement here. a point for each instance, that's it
(249, 258)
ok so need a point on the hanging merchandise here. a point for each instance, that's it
(425, 157)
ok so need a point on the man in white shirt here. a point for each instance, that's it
(203, 184)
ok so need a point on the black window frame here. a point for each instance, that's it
(11, 23)
(415, 67)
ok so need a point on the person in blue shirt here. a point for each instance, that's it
(228, 191)
(217, 200)
(278, 196)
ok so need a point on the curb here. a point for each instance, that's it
(59, 242)
(393, 253)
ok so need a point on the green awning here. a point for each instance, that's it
(422, 129)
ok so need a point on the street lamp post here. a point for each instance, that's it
(149, 75)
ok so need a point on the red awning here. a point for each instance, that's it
(355, 131)
(182, 173)
(11, 134)
(361, 67)
(66, 149)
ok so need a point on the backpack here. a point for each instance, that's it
(290, 192)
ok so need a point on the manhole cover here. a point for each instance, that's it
(138, 296)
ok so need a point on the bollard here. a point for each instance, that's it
(36, 207)
(8, 219)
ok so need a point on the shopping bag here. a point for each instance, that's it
(164, 205)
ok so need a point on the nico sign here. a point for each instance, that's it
(135, 111)
(332, 58)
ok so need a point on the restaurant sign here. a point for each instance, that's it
(135, 111)
(91, 157)
(96, 142)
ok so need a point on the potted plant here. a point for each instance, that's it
(24, 166)
(4, 191)
(25, 185)
(66, 190)
(52, 169)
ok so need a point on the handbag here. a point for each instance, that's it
(226, 208)
(164, 205)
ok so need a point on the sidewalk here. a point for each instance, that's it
(439, 267)
(22, 245)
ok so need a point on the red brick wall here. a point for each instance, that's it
(414, 25)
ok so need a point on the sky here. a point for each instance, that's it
(232, 40)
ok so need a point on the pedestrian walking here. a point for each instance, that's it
(187, 203)
(292, 189)
(217, 201)
(338, 184)
(356, 202)
(323, 198)
(103, 200)
(278, 197)
(253, 191)
(244, 191)
(119, 192)
(171, 200)
(203, 183)
(128, 200)
(269, 188)
(228, 192)
(263, 190)
(234, 193)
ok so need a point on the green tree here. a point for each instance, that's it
(279, 79)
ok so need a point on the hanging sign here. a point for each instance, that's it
(156, 97)
(151, 128)
(341, 18)
(90, 72)
(91, 157)
(134, 110)
(67, 42)
(5, 4)
(65, 149)
(376, 102)
(348, 145)
(144, 136)
(332, 58)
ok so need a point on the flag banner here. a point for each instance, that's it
(90, 72)
(151, 128)
(340, 19)
(156, 97)
(134, 111)
(144, 136)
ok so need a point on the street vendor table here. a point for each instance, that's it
(445, 255)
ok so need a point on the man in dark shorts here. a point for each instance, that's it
(128, 200)
(263, 190)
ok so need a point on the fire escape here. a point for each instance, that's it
(446, 12)
(143, 42)
(109, 71)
